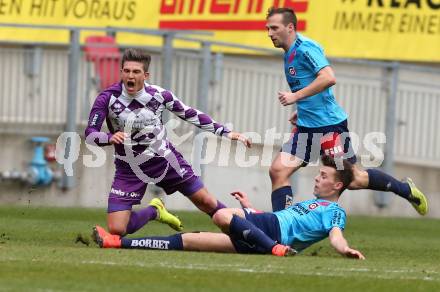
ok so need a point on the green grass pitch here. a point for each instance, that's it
(39, 252)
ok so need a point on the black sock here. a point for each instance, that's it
(282, 198)
(380, 181)
(172, 242)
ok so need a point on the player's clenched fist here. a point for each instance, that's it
(118, 138)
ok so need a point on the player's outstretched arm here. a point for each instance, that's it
(339, 243)
(242, 198)
(200, 119)
(240, 137)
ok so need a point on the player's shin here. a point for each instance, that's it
(380, 181)
(219, 206)
(139, 218)
(172, 242)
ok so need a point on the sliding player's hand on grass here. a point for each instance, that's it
(354, 254)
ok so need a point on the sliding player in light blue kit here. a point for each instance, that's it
(280, 233)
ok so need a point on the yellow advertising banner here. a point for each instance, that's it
(375, 29)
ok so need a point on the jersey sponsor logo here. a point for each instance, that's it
(117, 192)
(313, 206)
(334, 151)
(228, 14)
(294, 84)
(300, 209)
(337, 218)
(94, 120)
(292, 71)
(134, 195)
(143, 119)
(121, 193)
(150, 243)
(331, 144)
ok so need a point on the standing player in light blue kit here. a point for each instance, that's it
(280, 233)
(321, 124)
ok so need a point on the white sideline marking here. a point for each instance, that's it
(277, 270)
(269, 269)
(376, 270)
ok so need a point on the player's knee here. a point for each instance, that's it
(117, 229)
(222, 218)
(217, 218)
(360, 179)
(276, 173)
(273, 172)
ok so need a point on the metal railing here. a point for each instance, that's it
(49, 88)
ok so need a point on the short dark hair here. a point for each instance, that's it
(289, 15)
(136, 55)
(344, 174)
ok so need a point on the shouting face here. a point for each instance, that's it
(133, 76)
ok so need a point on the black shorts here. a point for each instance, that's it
(267, 222)
(309, 144)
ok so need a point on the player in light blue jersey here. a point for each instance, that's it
(281, 233)
(321, 123)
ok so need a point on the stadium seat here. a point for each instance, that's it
(103, 53)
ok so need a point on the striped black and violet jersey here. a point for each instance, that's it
(140, 116)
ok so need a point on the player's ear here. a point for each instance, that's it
(339, 186)
(146, 75)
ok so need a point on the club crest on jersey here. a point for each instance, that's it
(313, 206)
(292, 71)
(117, 107)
